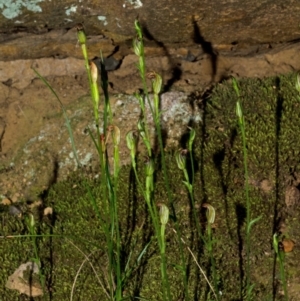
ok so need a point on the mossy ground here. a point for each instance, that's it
(272, 111)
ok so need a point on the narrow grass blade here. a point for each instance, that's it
(68, 124)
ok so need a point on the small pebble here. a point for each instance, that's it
(288, 245)
(13, 210)
(15, 197)
(48, 210)
(119, 103)
(6, 201)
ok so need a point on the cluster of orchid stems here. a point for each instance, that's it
(109, 179)
(147, 190)
(159, 218)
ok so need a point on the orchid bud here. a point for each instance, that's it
(81, 34)
(191, 138)
(131, 142)
(138, 46)
(137, 27)
(211, 213)
(298, 82)
(116, 135)
(94, 72)
(156, 82)
(103, 142)
(149, 168)
(275, 243)
(141, 128)
(163, 213)
(181, 159)
(31, 221)
(239, 112)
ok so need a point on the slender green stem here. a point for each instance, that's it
(68, 123)
(241, 122)
(282, 274)
(248, 208)
(116, 139)
(181, 163)
(211, 255)
(210, 214)
(280, 255)
(32, 231)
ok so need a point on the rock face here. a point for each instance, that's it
(42, 28)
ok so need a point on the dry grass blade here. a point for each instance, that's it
(80, 268)
(198, 265)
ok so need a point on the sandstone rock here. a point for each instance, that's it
(49, 155)
(34, 29)
(174, 67)
(25, 279)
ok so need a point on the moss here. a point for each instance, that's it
(271, 112)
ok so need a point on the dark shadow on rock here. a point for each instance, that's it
(207, 48)
(104, 80)
(279, 110)
(276, 213)
(198, 164)
(218, 159)
(52, 180)
(156, 144)
(31, 280)
(241, 214)
(192, 163)
(203, 137)
(176, 70)
(139, 274)
(134, 225)
(132, 214)
(202, 104)
(109, 63)
(50, 221)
